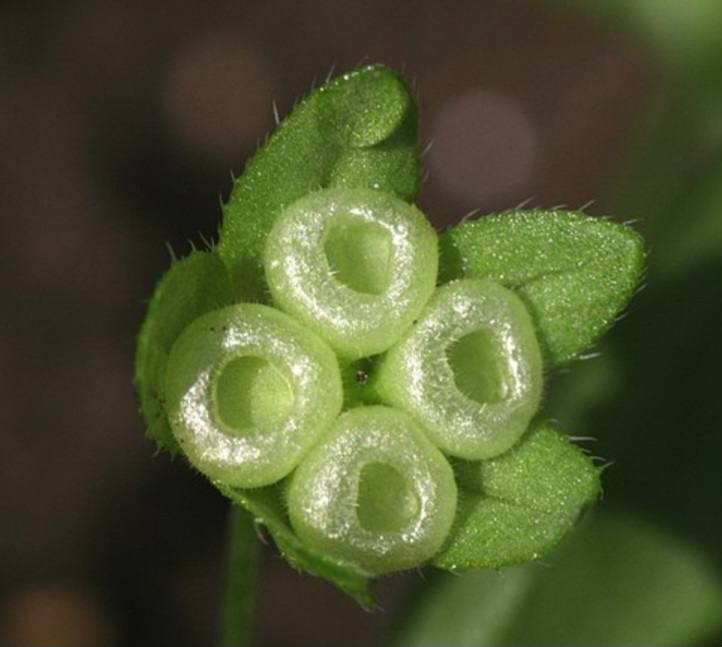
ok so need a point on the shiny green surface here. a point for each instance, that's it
(374, 493)
(354, 265)
(248, 392)
(425, 373)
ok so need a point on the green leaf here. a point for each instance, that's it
(267, 506)
(357, 130)
(191, 287)
(575, 273)
(518, 506)
(618, 582)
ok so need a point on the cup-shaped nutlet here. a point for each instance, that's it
(355, 265)
(248, 391)
(470, 369)
(374, 492)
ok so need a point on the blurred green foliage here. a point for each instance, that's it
(619, 581)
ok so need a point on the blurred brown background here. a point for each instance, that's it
(120, 125)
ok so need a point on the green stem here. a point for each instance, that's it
(242, 559)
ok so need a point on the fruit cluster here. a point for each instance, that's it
(253, 393)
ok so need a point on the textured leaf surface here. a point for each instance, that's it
(618, 582)
(266, 505)
(191, 287)
(358, 130)
(575, 273)
(518, 506)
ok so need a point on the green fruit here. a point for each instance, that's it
(354, 265)
(248, 391)
(470, 369)
(375, 493)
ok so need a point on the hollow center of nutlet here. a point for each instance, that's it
(475, 360)
(359, 254)
(386, 501)
(251, 395)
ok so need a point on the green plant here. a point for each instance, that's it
(368, 393)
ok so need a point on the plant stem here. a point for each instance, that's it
(241, 560)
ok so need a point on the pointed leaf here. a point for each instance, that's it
(575, 273)
(357, 130)
(191, 287)
(267, 506)
(518, 506)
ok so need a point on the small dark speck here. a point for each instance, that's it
(361, 377)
